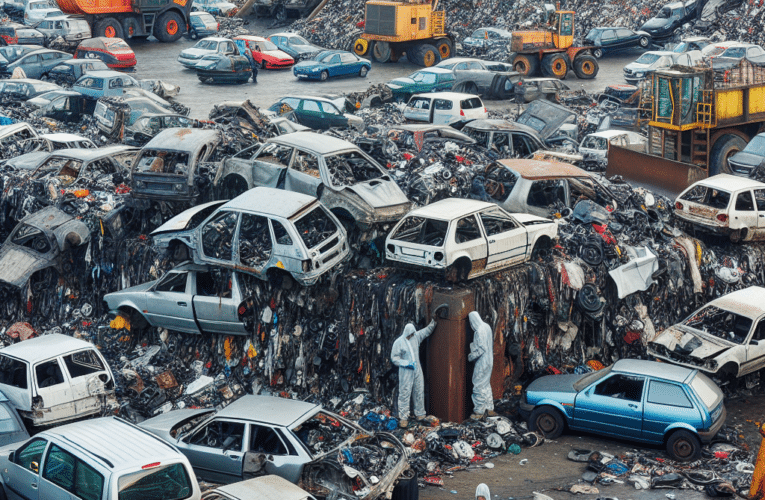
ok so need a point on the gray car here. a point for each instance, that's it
(344, 178)
(295, 45)
(12, 429)
(475, 76)
(531, 89)
(35, 64)
(508, 138)
(190, 299)
(299, 441)
(38, 242)
(68, 28)
(265, 232)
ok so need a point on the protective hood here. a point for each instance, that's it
(408, 330)
(482, 490)
(475, 320)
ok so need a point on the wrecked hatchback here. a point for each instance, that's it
(39, 242)
(55, 378)
(726, 336)
(264, 232)
(299, 441)
(347, 181)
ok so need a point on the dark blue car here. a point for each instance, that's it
(332, 63)
(639, 400)
(613, 39)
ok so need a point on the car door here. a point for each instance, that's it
(351, 64)
(418, 109)
(311, 115)
(611, 406)
(508, 240)
(480, 75)
(443, 112)
(87, 374)
(269, 165)
(52, 384)
(169, 303)
(331, 115)
(469, 239)
(60, 109)
(282, 458)
(744, 214)
(216, 300)
(21, 478)
(216, 238)
(334, 68)
(666, 403)
(625, 38)
(257, 54)
(304, 175)
(445, 82)
(32, 66)
(216, 450)
(608, 39)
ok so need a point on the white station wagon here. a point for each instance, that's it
(467, 238)
(725, 204)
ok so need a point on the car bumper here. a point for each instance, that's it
(525, 409)
(308, 76)
(189, 63)
(708, 435)
(278, 64)
(704, 224)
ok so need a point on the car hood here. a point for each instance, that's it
(742, 157)
(401, 82)
(555, 384)
(18, 264)
(690, 343)
(305, 49)
(193, 53)
(161, 425)
(276, 54)
(181, 221)
(309, 65)
(379, 193)
(655, 24)
(637, 66)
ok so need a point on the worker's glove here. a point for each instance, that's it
(444, 307)
(410, 366)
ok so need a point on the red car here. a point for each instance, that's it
(265, 53)
(114, 52)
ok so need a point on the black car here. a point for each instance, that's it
(70, 71)
(612, 39)
(670, 18)
(620, 93)
(219, 68)
(751, 157)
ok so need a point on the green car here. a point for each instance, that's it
(424, 80)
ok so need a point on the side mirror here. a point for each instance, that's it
(754, 342)
(12, 456)
(35, 467)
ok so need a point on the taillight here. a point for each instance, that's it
(722, 217)
(462, 113)
(485, 110)
(218, 26)
(678, 205)
(306, 266)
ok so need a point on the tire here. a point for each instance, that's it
(541, 247)
(406, 489)
(169, 27)
(110, 28)
(548, 421)
(598, 53)
(471, 88)
(426, 55)
(555, 66)
(725, 147)
(361, 47)
(410, 55)
(324, 76)
(683, 446)
(445, 48)
(586, 67)
(643, 42)
(381, 52)
(363, 71)
(526, 65)
(193, 34)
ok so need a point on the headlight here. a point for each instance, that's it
(178, 187)
(640, 75)
(314, 70)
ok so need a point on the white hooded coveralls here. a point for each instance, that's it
(410, 382)
(482, 352)
(482, 491)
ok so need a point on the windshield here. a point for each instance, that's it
(594, 34)
(11, 52)
(706, 390)
(715, 51)
(323, 433)
(298, 40)
(32, 238)
(422, 231)
(349, 168)
(736, 52)
(756, 146)
(591, 378)
(423, 77)
(324, 57)
(722, 324)
(207, 45)
(165, 482)
(66, 169)
(117, 45)
(163, 162)
(647, 58)
(681, 47)
(78, 25)
(266, 45)
(594, 142)
(315, 227)
(664, 13)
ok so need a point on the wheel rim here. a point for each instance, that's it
(429, 58)
(682, 448)
(445, 50)
(363, 70)
(598, 53)
(131, 31)
(110, 32)
(546, 423)
(588, 68)
(360, 47)
(559, 68)
(522, 67)
(644, 42)
(381, 51)
(324, 75)
(172, 27)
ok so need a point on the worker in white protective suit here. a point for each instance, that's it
(482, 353)
(482, 492)
(411, 383)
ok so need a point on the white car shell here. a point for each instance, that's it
(466, 238)
(445, 108)
(654, 60)
(725, 336)
(598, 143)
(725, 204)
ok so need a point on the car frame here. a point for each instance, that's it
(69, 28)
(633, 399)
(36, 63)
(531, 89)
(114, 52)
(71, 70)
(202, 24)
(219, 68)
(476, 76)
(747, 160)
(330, 64)
(298, 162)
(498, 239)
(637, 71)
(487, 37)
(505, 137)
(670, 18)
(294, 45)
(293, 460)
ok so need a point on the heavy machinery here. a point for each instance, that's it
(697, 119)
(414, 27)
(553, 50)
(165, 19)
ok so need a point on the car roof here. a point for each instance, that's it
(271, 201)
(496, 124)
(447, 95)
(286, 33)
(106, 73)
(749, 302)
(61, 136)
(47, 346)
(434, 69)
(251, 38)
(729, 182)
(538, 169)
(215, 39)
(91, 154)
(318, 143)
(269, 410)
(653, 369)
(314, 97)
(270, 487)
(182, 139)
(96, 437)
(450, 208)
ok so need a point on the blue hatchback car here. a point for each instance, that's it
(331, 63)
(646, 401)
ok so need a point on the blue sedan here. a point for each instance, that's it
(331, 63)
(646, 401)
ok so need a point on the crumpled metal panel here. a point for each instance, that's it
(637, 274)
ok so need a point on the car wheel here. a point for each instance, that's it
(683, 446)
(724, 147)
(363, 71)
(598, 53)
(643, 41)
(471, 88)
(586, 67)
(193, 34)
(548, 421)
(324, 76)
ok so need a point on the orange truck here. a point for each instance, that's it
(167, 20)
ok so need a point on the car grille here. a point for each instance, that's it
(628, 72)
(738, 168)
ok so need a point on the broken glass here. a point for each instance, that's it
(422, 231)
(723, 324)
(254, 241)
(349, 168)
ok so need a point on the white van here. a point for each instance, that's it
(99, 459)
(597, 144)
(445, 108)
